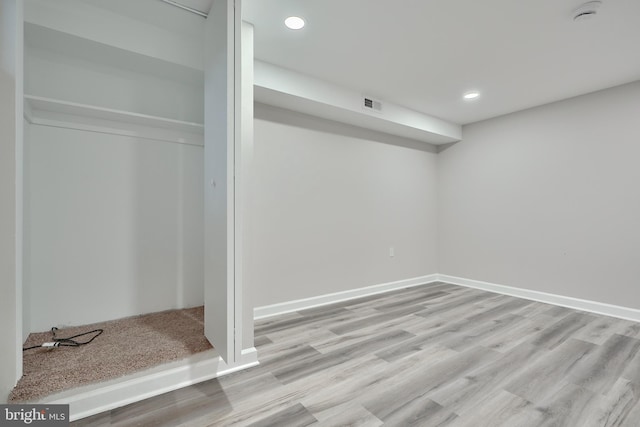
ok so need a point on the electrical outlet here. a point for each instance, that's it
(392, 251)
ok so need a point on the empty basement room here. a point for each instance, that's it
(338, 213)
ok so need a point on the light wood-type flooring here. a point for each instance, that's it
(433, 355)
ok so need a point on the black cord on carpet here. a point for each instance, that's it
(67, 342)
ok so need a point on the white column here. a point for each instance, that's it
(11, 130)
(221, 100)
(244, 197)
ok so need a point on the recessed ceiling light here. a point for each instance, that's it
(471, 95)
(294, 22)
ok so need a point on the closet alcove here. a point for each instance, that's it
(115, 202)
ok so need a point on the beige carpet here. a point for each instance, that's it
(126, 346)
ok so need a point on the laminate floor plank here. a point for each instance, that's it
(453, 316)
(264, 324)
(300, 353)
(496, 408)
(354, 325)
(497, 311)
(283, 340)
(385, 297)
(443, 332)
(294, 416)
(632, 419)
(412, 299)
(559, 312)
(347, 414)
(600, 330)
(454, 303)
(518, 333)
(425, 381)
(632, 370)
(354, 377)
(335, 379)
(375, 381)
(536, 381)
(420, 411)
(534, 309)
(99, 420)
(302, 320)
(563, 329)
(326, 345)
(629, 328)
(301, 369)
(262, 340)
(216, 399)
(432, 355)
(614, 408)
(484, 331)
(600, 370)
(567, 405)
(465, 394)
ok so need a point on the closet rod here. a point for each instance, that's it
(187, 8)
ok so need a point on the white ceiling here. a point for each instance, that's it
(424, 54)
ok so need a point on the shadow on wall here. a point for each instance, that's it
(114, 226)
(444, 147)
(167, 233)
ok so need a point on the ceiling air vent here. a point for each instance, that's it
(371, 104)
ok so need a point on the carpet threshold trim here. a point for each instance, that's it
(100, 397)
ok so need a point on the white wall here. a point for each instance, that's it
(330, 200)
(115, 226)
(548, 199)
(64, 67)
(10, 194)
(147, 27)
(118, 221)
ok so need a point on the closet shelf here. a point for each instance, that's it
(37, 104)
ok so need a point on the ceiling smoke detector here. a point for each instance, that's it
(586, 11)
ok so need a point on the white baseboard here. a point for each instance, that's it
(564, 301)
(560, 300)
(301, 304)
(91, 400)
